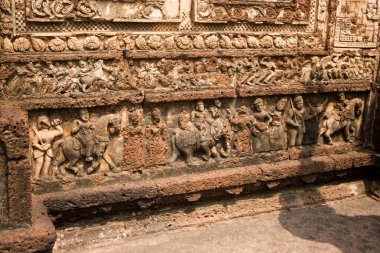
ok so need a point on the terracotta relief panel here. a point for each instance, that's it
(128, 139)
(36, 79)
(357, 24)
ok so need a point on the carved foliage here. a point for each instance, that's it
(161, 42)
(287, 11)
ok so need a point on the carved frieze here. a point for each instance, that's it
(103, 10)
(80, 142)
(36, 79)
(357, 23)
(267, 11)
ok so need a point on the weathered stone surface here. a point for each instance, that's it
(39, 237)
(152, 103)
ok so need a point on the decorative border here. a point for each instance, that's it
(161, 42)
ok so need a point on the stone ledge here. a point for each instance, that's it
(40, 237)
(201, 182)
(160, 221)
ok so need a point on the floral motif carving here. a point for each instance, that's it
(258, 12)
(168, 43)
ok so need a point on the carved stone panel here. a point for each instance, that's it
(143, 142)
(357, 23)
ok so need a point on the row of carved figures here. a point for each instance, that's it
(85, 146)
(94, 76)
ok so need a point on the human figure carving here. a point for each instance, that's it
(295, 119)
(44, 135)
(220, 128)
(244, 125)
(277, 129)
(201, 121)
(157, 143)
(83, 131)
(134, 136)
(263, 118)
(82, 143)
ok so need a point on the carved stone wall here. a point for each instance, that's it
(3, 185)
(123, 93)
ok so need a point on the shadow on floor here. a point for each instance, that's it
(348, 233)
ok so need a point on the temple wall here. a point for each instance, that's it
(103, 102)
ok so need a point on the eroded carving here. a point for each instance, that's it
(357, 23)
(157, 140)
(43, 78)
(134, 138)
(287, 11)
(343, 115)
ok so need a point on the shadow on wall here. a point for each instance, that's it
(323, 224)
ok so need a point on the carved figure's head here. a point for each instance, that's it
(243, 110)
(156, 115)
(281, 104)
(135, 117)
(56, 119)
(183, 120)
(84, 114)
(200, 106)
(43, 122)
(258, 104)
(214, 112)
(82, 64)
(341, 96)
(298, 102)
(114, 124)
(217, 103)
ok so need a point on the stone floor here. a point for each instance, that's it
(349, 225)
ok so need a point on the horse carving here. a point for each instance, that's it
(69, 152)
(343, 117)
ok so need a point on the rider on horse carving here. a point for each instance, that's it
(83, 132)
